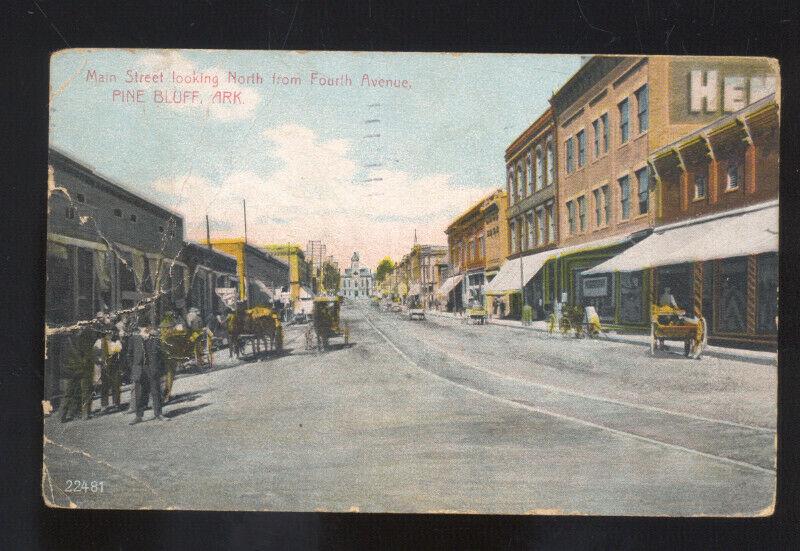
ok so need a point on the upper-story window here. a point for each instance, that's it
(510, 185)
(734, 175)
(582, 212)
(607, 202)
(700, 185)
(643, 178)
(551, 223)
(581, 148)
(551, 162)
(604, 122)
(483, 246)
(570, 155)
(624, 120)
(642, 108)
(598, 207)
(540, 227)
(531, 229)
(80, 197)
(513, 232)
(118, 213)
(529, 162)
(520, 181)
(625, 196)
(571, 216)
(596, 129)
(539, 168)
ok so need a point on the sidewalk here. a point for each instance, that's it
(753, 356)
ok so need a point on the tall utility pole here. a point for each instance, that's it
(208, 234)
(244, 208)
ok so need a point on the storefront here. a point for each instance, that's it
(449, 294)
(723, 267)
(474, 289)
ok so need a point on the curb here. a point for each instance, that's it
(751, 356)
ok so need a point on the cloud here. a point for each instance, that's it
(319, 192)
(206, 80)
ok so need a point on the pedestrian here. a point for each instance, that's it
(147, 362)
(107, 348)
(80, 372)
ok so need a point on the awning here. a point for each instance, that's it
(743, 232)
(509, 277)
(415, 289)
(263, 288)
(449, 284)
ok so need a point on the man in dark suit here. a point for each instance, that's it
(147, 364)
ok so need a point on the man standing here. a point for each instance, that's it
(147, 361)
(80, 370)
(107, 349)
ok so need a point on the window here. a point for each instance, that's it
(571, 216)
(551, 224)
(529, 160)
(598, 208)
(513, 233)
(581, 148)
(81, 198)
(734, 175)
(540, 227)
(625, 196)
(510, 185)
(70, 213)
(551, 162)
(604, 120)
(531, 229)
(596, 128)
(642, 108)
(582, 211)
(483, 248)
(133, 218)
(521, 178)
(118, 213)
(732, 306)
(643, 178)
(700, 185)
(607, 200)
(570, 156)
(539, 168)
(469, 250)
(624, 115)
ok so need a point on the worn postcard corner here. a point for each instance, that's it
(412, 283)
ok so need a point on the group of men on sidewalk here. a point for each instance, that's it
(99, 355)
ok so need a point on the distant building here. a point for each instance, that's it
(357, 281)
(210, 270)
(261, 275)
(299, 268)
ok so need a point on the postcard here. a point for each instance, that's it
(412, 283)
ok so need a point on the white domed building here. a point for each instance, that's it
(357, 281)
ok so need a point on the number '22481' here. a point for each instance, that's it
(93, 486)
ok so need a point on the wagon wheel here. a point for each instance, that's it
(688, 344)
(653, 343)
(209, 349)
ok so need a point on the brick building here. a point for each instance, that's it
(261, 275)
(531, 218)
(477, 243)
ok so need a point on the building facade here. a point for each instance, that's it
(261, 275)
(299, 269)
(618, 120)
(420, 272)
(715, 247)
(532, 217)
(210, 270)
(357, 281)
(108, 250)
(477, 245)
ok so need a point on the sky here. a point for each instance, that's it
(359, 167)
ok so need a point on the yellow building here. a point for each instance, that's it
(260, 274)
(299, 270)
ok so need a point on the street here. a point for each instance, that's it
(438, 416)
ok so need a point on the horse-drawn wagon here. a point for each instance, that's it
(256, 326)
(326, 324)
(672, 324)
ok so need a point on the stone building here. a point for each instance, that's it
(357, 281)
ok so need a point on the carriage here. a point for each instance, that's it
(476, 314)
(326, 324)
(256, 326)
(671, 324)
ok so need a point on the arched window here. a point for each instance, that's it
(531, 175)
(551, 165)
(539, 168)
